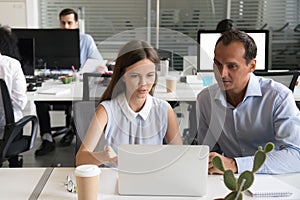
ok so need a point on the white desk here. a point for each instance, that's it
(184, 91)
(19, 183)
(54, 188)
(16, 183)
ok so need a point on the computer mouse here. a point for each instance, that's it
(31, 87)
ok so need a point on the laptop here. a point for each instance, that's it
(163, 170)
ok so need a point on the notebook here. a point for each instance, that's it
(270, 186)
(173, 170)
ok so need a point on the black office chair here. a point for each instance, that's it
(12, 140)
(166, 54)
(287, 78)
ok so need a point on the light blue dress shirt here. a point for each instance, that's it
(268, 113)
(88, 49)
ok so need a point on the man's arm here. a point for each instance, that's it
(286, 156)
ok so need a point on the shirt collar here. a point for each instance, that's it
(253, 89)
(129, 113)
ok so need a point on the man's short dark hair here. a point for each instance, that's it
(68, 11)
(240, 36)
(226, 25)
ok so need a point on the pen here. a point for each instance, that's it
(73, 68)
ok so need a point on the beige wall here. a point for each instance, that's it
(19, 13)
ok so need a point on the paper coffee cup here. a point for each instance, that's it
(87, 181)
(171, 83)
(164, 67)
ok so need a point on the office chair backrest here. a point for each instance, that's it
(94, 84)
(287, 78)
(166, 54)
(12, 140)
(6, 109)
(83, 114)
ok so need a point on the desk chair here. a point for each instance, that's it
(166, 54)
(12, 140)
(83, 114)
(287, 78)
(94, 84)
(67, 108)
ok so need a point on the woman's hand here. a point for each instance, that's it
(110, 155)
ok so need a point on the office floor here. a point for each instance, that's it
(62, 156)
(65, 156)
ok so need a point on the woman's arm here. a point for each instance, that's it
(86, 154)
(172, 135)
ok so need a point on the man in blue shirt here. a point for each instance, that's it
(88, 50)
(69, 20)
(243, 111)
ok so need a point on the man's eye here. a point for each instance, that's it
(232, 66)
(218, 65)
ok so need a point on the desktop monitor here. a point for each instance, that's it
(27, 52)
(55, 49)
(206, 45)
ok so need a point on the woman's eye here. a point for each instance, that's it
(133, 75)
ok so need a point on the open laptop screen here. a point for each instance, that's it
(208, 38)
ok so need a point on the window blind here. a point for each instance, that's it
(113, 22)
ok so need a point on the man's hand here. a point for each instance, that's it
(228, 163)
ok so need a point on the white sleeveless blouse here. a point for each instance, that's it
(124, 126)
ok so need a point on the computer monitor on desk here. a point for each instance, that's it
(55, 49)
(27, 52)
(206, 45)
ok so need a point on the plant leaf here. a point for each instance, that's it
(259, 159)
(249, 177)
(230, 180)
(217, 163)
(269, 147)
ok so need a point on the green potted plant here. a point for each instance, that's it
(245, 180)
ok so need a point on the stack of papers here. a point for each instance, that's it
(54, 91)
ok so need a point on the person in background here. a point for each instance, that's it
(128, 113)
(11, 72)
(243, 111)
(226, 25)
(88, 50)
(68, 19)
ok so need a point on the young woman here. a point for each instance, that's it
(128, 113)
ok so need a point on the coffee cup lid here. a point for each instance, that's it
(87, 170)
(171, 78)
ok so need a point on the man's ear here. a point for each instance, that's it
(252, 65)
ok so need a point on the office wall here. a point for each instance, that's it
(19, 13)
